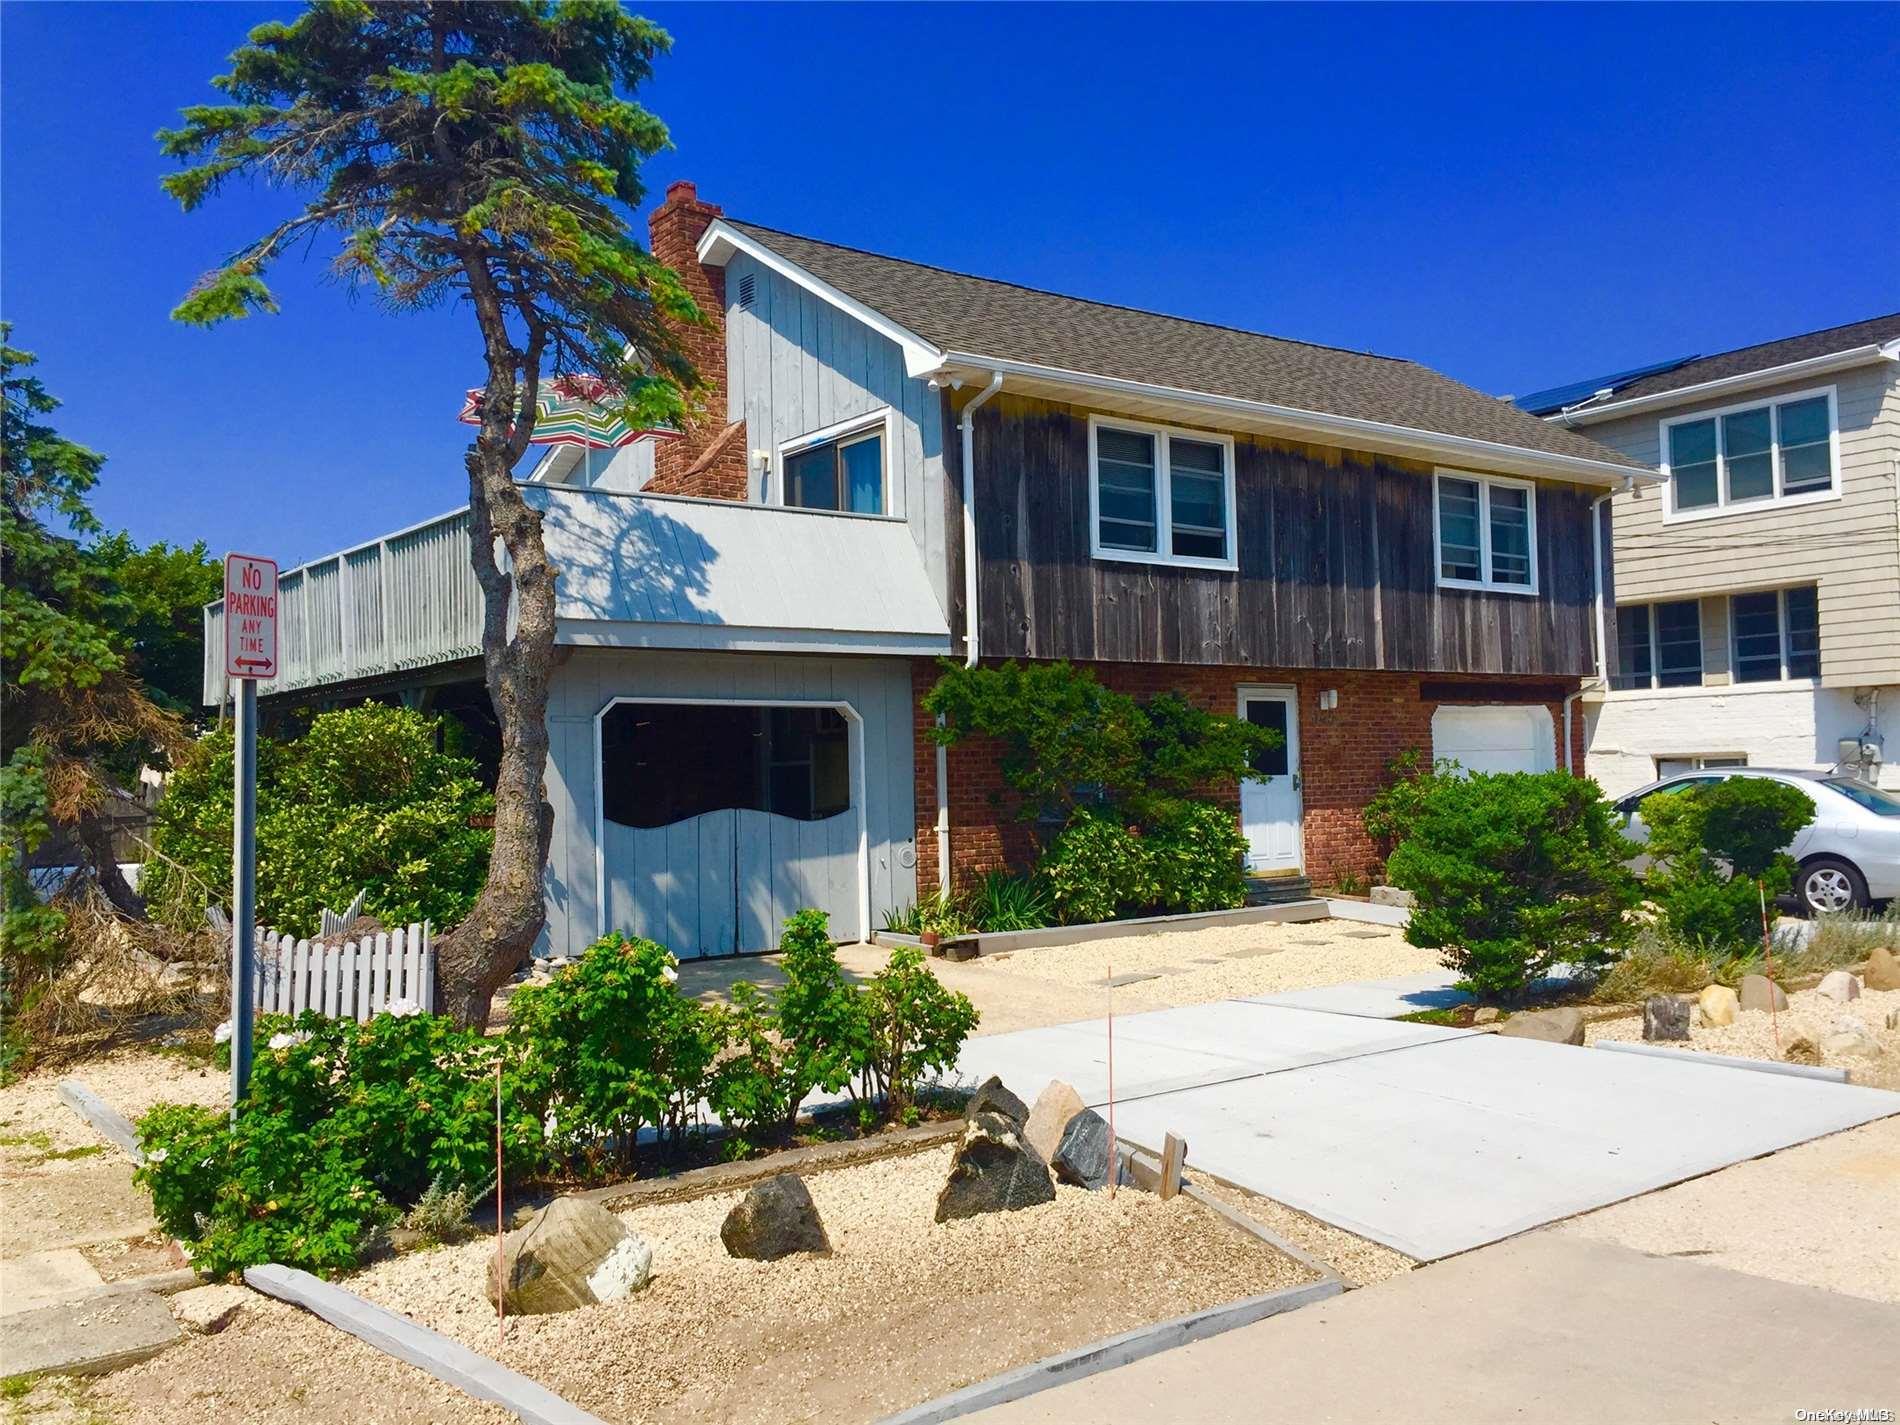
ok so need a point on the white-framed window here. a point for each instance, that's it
(1484, 532)
(1775, 635)
(1158, 495)
(842, 467)
(1682, 762)
(1753, 456)
(1658, 645)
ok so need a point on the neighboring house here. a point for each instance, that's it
(901, 464)
(1757, 592)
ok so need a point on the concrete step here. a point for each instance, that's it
(1277, 890)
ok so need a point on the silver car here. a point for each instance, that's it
(1849, 855)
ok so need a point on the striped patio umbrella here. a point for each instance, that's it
(572, 410)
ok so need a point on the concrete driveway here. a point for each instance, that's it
(1429, 1140)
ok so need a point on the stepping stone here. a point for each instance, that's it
(1115, 982)
(1365, 935)
(1207, 959)
(92, 1336)
(41, 1278)
(1254, 952)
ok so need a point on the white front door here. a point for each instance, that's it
(1270, 803)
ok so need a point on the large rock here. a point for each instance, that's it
(1883, 969)
(1850, 1039)
(1718, 1004)
(992, 1097)
(1760, 992)
(1552, 1026)
(1839, 985)
(1081, 1158)
(570, 1253)
(775, 1219)
(209, 1309)
(1055, 1106)
(993, 1170)
(1665, 1017)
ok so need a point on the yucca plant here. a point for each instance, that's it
(1003, 901)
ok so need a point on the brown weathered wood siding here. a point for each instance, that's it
(1335, 552)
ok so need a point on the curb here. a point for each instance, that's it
(106, 1120)
(1116, 1351)
(816, 1158)
(1003, 942)
(410, 1341)
(1728, 1061)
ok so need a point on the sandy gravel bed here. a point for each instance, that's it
(1360, 1261)
(1809, 1015)
(902, 1311)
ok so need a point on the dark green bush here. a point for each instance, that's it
(1513, 874)
(1196, 857)
(362, 801)
(1718, 858)
(1098, 869)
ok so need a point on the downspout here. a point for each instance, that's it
(1596, 584)
(967, 426)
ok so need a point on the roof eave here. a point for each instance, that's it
(1352, 431)
(721, 241)
(1727, 385)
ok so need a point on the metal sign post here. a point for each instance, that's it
(250, 653)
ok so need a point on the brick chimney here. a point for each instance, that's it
(710, 459)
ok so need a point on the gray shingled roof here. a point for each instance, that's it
(984, 317)
(1762, 356)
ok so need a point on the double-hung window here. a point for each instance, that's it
(1748, 457)
(1658, 645)
(1160, 496)
(1486, 528)
(838, 468)
(1775, 635)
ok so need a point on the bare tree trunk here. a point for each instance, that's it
(477, 957)
(93, 834)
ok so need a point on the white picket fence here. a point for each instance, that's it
(354, 980)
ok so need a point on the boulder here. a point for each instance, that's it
(992, 1097)
(1839, 985)
(993, 1170)
(1552, 1026)
(1081, 1158)
(1718, 1004)
(1665, 1017)
(1883, 969)
(1488, 1014)
(1760, 992)
(1392, 895)
(1055, 1106)
(208, 1309)
(570, 1253)
(775, 1219)
(1850, 1039)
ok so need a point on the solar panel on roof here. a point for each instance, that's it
(1547, 402)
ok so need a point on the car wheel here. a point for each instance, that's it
(1827, 886)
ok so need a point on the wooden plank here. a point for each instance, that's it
(412, 966)
(379, 969)
(1173, 1160)
(300, 978)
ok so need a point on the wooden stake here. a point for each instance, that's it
(1173, 1161)
(501, 1281)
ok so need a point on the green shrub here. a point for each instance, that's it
(915, 1026)
(362, 801)
(442, 1214)
(1389, 816)
(1515, 873)
(1002, 901)
(1097, 868)
(1718, 858)
(1197, 857)
(341, 1126)
(608, 1045)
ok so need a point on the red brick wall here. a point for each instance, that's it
(710, 459)
(1343, 758)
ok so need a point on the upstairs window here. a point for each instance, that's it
(1161, 496)
(1748, 457)
(1775, 635)
(1486, 529)
(1658, 645)
(838, 468)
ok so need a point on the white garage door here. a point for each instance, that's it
(1495, 739)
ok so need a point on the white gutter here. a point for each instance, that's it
(1587, 414)
(1514, 459)
(968, 443)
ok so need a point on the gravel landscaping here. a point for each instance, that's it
(903, 1310)
(1810, 1015)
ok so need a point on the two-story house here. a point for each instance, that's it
(905, 464)
(1757, 617)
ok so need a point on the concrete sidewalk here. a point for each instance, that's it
(1546, 1328)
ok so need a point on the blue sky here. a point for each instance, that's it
(1514, 196)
